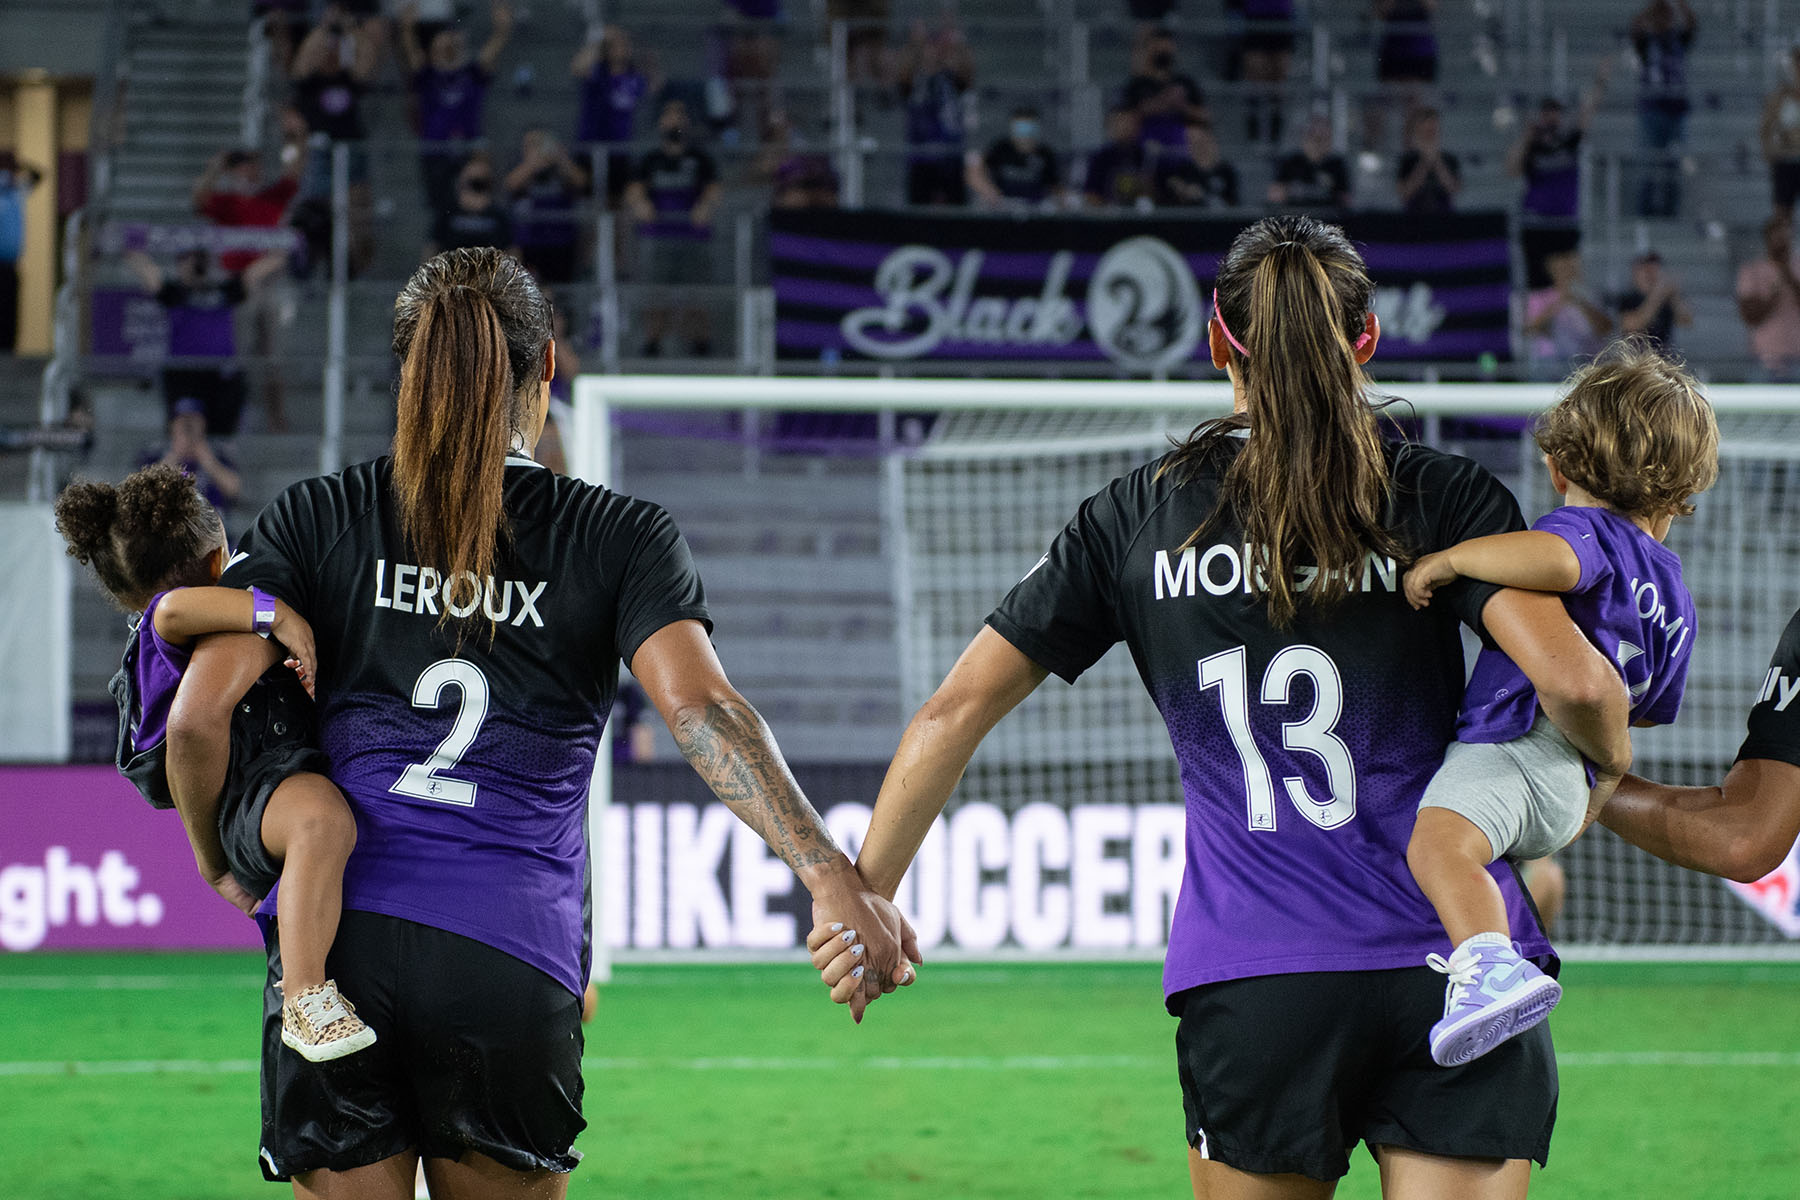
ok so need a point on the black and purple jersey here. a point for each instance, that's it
(468, 765)
(1303, 752)
(1774, 727)
(1630, 602)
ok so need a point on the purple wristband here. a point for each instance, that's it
(262, 610)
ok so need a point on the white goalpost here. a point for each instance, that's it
(917, 503)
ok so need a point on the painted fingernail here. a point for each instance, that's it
(837, 927)
(856, 949)
(849, 935)
(857, 974)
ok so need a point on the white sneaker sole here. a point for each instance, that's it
(1479, 1032)
(328, 1051)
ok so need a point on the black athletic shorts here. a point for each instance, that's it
(476, 1050)
(1285, 1074)
(274, 734)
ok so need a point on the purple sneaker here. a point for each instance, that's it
(1493, 994)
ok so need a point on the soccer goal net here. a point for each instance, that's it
(855, 533)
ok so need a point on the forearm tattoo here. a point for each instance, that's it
(732, 749)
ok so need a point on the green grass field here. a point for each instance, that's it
(133, 1077)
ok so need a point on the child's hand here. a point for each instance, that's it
(1604, 786)
(292, 631)
(1427, 576)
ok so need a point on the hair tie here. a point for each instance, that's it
(1219, 316)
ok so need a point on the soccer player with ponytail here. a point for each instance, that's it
(1255, 573)
(471, 611)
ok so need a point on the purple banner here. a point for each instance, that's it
(1134, 290)
(129, 324)
(85, 864)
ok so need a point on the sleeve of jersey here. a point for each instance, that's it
(1062, 615)
(1575, 526)
(1775, 721)
(1475, 505)
(660, 584)
(279, 553)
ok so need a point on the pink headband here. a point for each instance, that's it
(1219, 314)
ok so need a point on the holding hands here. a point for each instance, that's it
(862, 947)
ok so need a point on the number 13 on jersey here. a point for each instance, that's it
(1311, 734)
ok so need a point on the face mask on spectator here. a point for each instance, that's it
(1025, 130)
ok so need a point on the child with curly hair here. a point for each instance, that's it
(1628, 446)
(158, 548)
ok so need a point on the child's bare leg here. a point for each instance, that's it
(308, 827)
(1449, 857)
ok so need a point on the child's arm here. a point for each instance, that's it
(1530, 559)
(190, 612)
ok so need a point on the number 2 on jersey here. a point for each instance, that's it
(1311, 734)
(422, 779)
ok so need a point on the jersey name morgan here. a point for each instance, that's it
(1222, 569)
(1302, 752)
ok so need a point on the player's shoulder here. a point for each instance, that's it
(589, 511)
(1433, 475)
(333, 501)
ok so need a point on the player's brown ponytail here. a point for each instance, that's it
(1311, 482)
(470, 328)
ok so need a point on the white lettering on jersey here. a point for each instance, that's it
(1651, 608)
(409, 588)
(1779, 688)
(1220, 570)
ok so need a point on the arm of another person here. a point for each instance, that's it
(1530, 559)
(988, 681)
(730, 747)
(980, 181)
(1579, 690)
(707, 203)
(410, 47)
(500, 33)
(1741, 829)
(1754, 305)
(199, 746)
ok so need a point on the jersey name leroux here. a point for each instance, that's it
(407, 588)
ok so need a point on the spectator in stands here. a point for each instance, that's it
(230, 192)
(1564, 321)
(1406, 63)
(753, 57)
(1018, 169)
(1164, 99)
(673, 195)
(613, 86)
(1429, 177)
(545, 190)
(1314, 176)
(1768, 298)
(865, 38)
(477, 219)
(16, 181)
(202, 308)
(933, 71)
(1118, 174)
(1200, 177)
(190, 451)
(1264, 62)
(1654, 305)
(1547, 156)
(332, 70)
(796, 176)
(1780, 136)
(1661, 33)
(451, 89)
